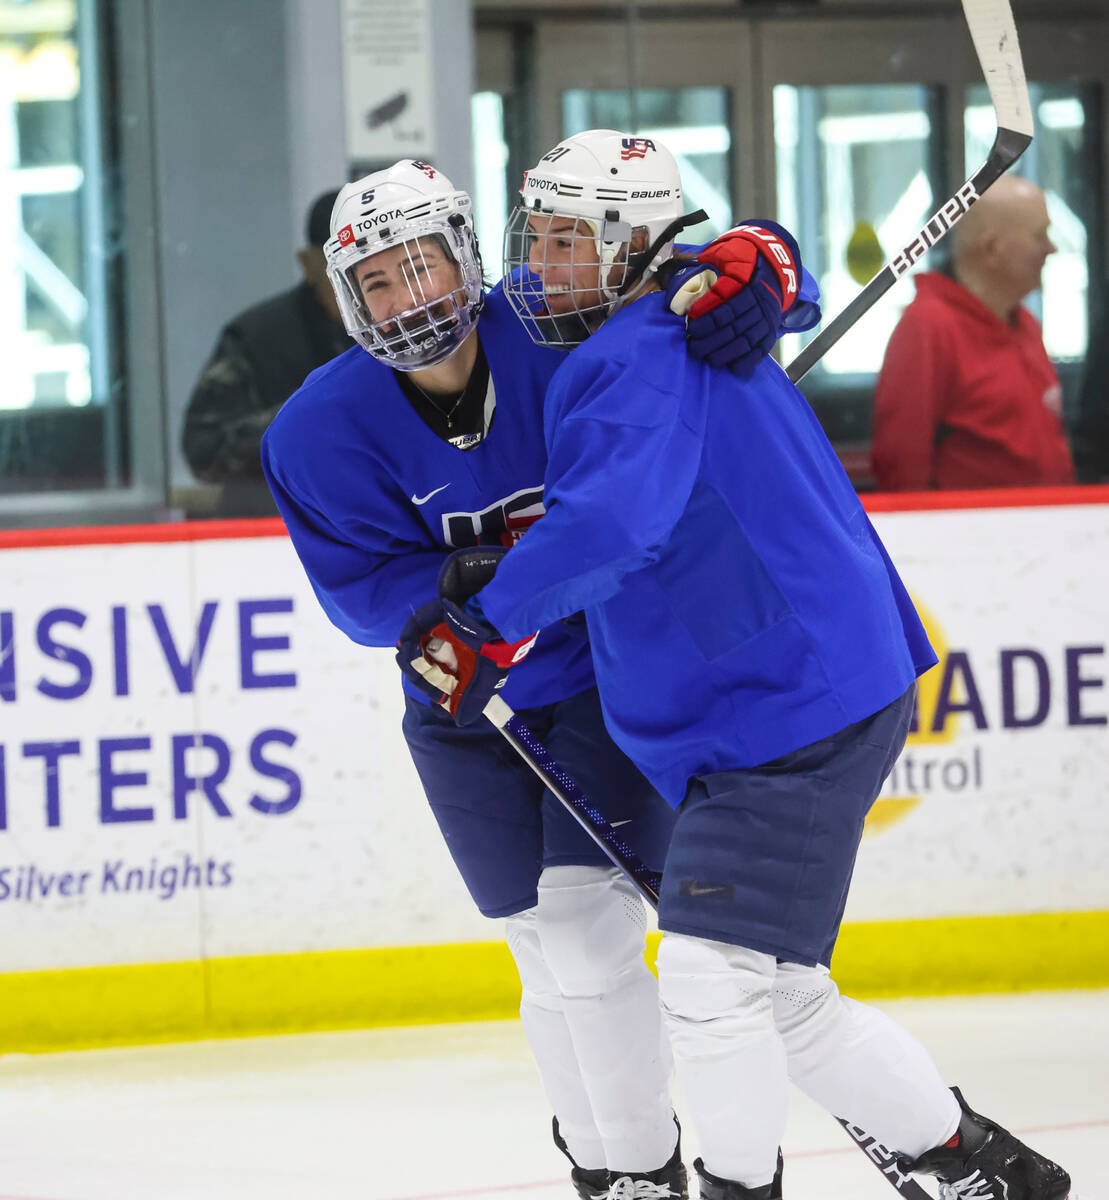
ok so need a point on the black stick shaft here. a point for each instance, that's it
(885, 1161)
(577, 803)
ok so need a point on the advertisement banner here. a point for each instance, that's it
(997, 803)
(194, 764)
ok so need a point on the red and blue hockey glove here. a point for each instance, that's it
(736, 295)
(452, 655)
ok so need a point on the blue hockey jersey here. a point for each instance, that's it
(739, 603)
(374, 500)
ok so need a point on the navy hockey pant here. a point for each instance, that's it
(763, 857)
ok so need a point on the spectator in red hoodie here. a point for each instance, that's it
(967, 397)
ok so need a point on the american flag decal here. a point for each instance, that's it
(635, 148)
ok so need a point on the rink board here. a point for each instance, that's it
(209, 824)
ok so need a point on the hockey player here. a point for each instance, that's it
(756, 655)
(381, 464)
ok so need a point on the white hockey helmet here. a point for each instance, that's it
(620, 200)
(401, 207)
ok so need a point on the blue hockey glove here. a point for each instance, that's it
(735, 297)
(453, 656)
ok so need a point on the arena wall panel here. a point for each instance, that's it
(209, 825)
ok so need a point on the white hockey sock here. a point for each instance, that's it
(716, 1001)
(544, 1021)
(860, 1065)
(591, 926)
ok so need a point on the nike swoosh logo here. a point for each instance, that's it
(617, 824)
(424, 499)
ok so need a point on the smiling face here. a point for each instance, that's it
(408, 277)
(566, 273)
(562, 253)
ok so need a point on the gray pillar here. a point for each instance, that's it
(317, 142)
(452, 58)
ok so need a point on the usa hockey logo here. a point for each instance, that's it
(635, 148)
(501, 524)
(427, 168)
(345, 235)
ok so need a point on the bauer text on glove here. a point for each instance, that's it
(736, 309)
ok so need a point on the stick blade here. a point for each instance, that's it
(995, 40)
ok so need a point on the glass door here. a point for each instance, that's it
(858, 146)
(858, 171)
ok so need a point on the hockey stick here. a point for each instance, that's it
(565, 788)
(568, 791)
(995, 41)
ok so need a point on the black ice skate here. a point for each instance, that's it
(713, 1188)
(667, 1183)
(589, 1185)
(985, 1162)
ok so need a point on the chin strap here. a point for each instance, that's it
(638, 277)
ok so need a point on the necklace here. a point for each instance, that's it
(446, 414)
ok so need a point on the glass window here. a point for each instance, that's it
(1061, 160)
(58, 404)
(691, 122)
(490, 183)
(856, 168)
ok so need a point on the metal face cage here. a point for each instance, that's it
(433, 323)
(565, 274)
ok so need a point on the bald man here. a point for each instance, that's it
(967, 397)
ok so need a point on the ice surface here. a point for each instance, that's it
(455, 1112)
